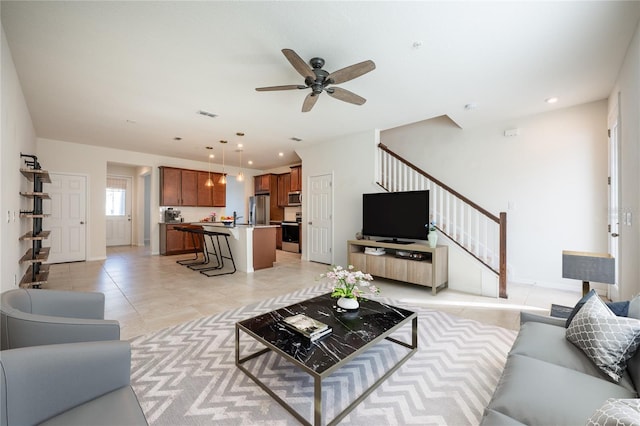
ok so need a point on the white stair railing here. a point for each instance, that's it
(480, 233)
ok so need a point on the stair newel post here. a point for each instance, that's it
(503, 255)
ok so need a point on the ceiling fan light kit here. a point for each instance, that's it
(319, 80)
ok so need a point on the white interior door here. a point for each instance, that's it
(614, 195)
(118, 210)
(67, 218)
(320, 227)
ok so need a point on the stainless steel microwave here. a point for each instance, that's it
(295, 198)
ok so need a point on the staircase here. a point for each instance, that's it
(480, 233)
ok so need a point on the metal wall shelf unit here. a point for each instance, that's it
(37, 274)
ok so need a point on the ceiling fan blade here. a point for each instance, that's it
(288, 87)
(299, 64)
(309, 102)
(351, 72)
(345, 95)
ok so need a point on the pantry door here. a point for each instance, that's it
(66, 210)
(320, 219)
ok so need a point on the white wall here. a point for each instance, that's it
(351, 160)
(628, 85)
(61, 157)
(18, 135)
(551, 180)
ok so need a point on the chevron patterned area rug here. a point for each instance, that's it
(186, 374)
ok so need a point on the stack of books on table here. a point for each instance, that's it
(307, 326)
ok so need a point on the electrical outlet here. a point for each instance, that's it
(15, 280)
(8, 216)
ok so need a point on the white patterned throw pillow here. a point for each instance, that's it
(609, 341)
(617, 412)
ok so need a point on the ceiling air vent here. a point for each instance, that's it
(207, 114)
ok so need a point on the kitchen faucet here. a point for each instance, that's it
(236, 217)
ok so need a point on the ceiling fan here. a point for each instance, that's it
(319, 80)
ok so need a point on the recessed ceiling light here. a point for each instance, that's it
(240, 145)
(207, 114)
(296, 139)
(177, 138)
(281, 154)
(131, 121)
(239, 134)
(471, 106)
(551, 100)
(417, 44)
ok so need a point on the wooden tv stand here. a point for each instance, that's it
(432, 272)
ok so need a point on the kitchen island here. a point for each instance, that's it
(252, 247)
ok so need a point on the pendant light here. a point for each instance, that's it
(240, 176)
(209, 181)
(223, 179)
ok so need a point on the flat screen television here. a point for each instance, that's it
(396, 215)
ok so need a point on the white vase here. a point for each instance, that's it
(348, 303)
(432, 236)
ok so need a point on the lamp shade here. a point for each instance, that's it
(594, 267)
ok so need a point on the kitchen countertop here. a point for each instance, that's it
(239, 225)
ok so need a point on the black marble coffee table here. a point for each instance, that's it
(353, 333)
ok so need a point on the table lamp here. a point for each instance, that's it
(598, 267)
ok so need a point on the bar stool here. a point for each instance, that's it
(191, 229)
(209, 256)
(217, 248)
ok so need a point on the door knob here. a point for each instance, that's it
(82, 222)
(614, 235)
(310, 223)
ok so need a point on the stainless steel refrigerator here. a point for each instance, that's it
(259, 209)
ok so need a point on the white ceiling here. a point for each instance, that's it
(87, 68)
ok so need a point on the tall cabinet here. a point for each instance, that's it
(37, 273)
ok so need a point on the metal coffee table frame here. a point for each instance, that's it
(318, 377)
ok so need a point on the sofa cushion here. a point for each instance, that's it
(633, 368)
(493, 418)
(535, 339)
(119, 407)
(634, 307)
(621, 309)
(536, 392)
(609, 341)
(617, 412)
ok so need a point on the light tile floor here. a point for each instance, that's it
(147, 293)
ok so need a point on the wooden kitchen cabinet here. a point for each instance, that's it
(219, 191)
(262, 183)
(205, 193)
(296, 178)
(183, 187)
(189, 187)
(173, 241)
(170, 191)
(284, 184)
(279, 237)
(178, 187)
(211, 196)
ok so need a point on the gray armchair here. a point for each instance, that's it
(70, 384)
(31, 317)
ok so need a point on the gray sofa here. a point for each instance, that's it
(42, 317)
(68, 384)
(549, 381)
